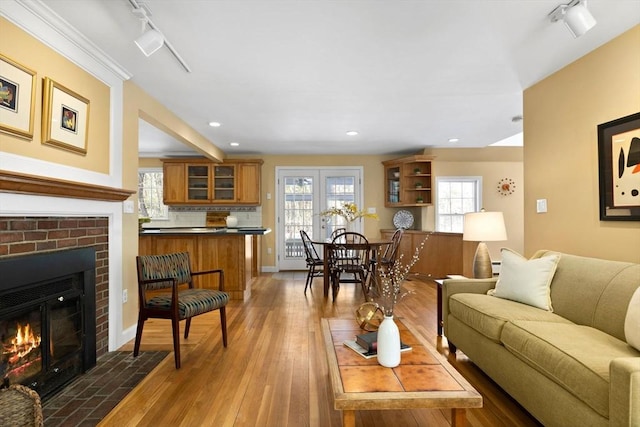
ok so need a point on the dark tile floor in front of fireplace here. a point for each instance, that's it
(90, 397)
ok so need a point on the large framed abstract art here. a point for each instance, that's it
(619, 169)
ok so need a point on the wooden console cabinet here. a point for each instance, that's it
(443, 253)
(200, 181)
(408, 181)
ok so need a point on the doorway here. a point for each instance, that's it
(303, 193)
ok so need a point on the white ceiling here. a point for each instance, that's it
(292, 76)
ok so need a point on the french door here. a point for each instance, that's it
(302, 194)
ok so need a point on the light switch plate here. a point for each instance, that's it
(541, 205)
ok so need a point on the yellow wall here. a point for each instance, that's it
(561, 115)
(492, 164)
(32, 54)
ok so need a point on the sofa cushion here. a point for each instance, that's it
(574, 356)
(488, 315)
(632, 321)
(526, 281)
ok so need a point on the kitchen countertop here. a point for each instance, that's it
(204, 230)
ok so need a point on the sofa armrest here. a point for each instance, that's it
(624, 392)
(462, 286)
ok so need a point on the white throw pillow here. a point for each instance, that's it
(632, 321)
(526, 280)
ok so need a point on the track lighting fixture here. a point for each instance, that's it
(152, 39)
(575, 16)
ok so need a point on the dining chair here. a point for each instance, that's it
(158, 273)
(336, 232)
(390, 254)
(315, 264)
(349, 254)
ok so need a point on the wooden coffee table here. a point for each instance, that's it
(424, 378)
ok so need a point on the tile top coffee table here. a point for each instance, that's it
(424, 378)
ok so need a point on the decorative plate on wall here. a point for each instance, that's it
(403, 219)
(506, 186)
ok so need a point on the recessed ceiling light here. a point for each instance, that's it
(214, 124)
(234, 144)
(454, 139)
(352, 132)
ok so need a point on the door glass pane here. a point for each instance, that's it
(298, 213)
(338, 191)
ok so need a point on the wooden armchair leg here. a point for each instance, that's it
(136, 346)
(187, 326)
(223, 323)
(175, 323)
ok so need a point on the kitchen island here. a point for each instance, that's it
(234, 250)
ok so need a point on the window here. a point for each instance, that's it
(455, 197)
(150, 194)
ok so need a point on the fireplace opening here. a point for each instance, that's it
(47, 318)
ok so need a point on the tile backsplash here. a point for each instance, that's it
(197, 217)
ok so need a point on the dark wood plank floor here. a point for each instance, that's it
(274, 371)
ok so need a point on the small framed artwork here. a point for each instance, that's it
(619, 169)
(17, 98)
(65, 118)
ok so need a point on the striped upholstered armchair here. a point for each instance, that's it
(170, 272)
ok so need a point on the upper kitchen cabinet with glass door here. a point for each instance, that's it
(200, 181)
(408, 181)
(224, 183)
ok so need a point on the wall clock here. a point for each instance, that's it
(506, 186)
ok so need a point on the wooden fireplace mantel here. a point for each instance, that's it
(12, 182)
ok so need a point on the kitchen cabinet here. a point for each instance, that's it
(202, 182)
(174, 173)
(233, 253)
(408, 181)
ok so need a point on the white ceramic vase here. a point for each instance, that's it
(388, 343)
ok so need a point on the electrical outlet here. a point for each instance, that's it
(125, 296)
(269, 251)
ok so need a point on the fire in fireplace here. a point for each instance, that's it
(47, 318)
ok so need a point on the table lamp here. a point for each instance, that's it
(483, 227)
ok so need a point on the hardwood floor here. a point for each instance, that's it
(274, 370)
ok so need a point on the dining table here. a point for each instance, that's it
(374, 246)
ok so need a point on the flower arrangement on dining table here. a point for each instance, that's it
(350, 213)
(387, 284)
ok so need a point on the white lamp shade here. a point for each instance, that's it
(579, 20)
(150, 41)
(484, 227)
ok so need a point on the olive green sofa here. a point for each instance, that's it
(568, 367)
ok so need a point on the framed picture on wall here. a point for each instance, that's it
(17, 98)
(65, 118)
(619, 169)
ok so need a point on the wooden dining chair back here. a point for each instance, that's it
(315, 264)
(349, 255)
(166, 291)
(336, 232)
(390, 254)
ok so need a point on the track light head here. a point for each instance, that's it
(575, 15)
(150, 41)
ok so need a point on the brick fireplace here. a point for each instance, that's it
(28, 235)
